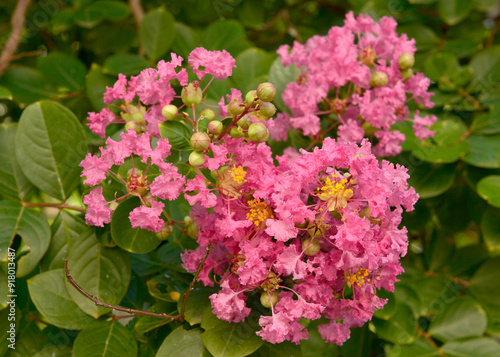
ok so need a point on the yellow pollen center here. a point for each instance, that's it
(259, 212)
(238, 174)
(335, 193)
(360, 277)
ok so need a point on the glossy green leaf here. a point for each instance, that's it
(182, 343)
(109, 9)
(145, 324)
(419, 348)
(27, 84)
(479, 347)
(198, 302)
(467, 259)
(434, 293)
(64, 70)
(280, 76)
(102, 272)
(441, 64)
(284, 349)
(222, 338)
(400, 328)
(54, 351)
(186, 39)
(162, 285)
(490, 227)
(178, 134)
(13, 182)
(487, 123)
(33, 228)
(489, 189)
(454, 11)
(5, 93)
(486, 67)
(315, 345)
(408, 295)
(88, 17)
(50, 144)
(105, 339)
(134, 240)
(464, 317)
(252, 66)
(226, 35)
(484, 151)
(431, 180)
(389, 308)
(157, 32)
(425, 37)
(48, 293)
(96, 85)
(127, 64)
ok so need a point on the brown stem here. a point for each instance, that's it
(136, 8)
(17, 22)
(431, 342)
(118, 308)
(54, 205)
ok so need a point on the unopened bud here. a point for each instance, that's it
(208, 114)
(135, 126)
(407, 73)
(235, 108)
(268, 298)
(311, 247)
(258, 132)
(169, 112)
(165, 232)
(244, 122)
(250, 98)
(406, 61)
(379, 79)
(192, 94)
(267, 109)
(147, 197)
(266, 92)
(192, 228)
(236, 133)
(200, 141)
(196, 159)
(215, 127)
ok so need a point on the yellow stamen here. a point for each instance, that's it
(335, 193)
(238, 174)
(360, 277)
(259, 212)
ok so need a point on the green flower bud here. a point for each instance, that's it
(235, 108)
(200, 141)
(192, 228)
(165, 232)
(196, 159)
(406, 61)
(207, 113)
(266, 92)
(407, 73)
(192, 94)
(310, 248)
(215, 127)
(244, 122)
(147, 197)
(236, 133)
(267, 109)
(268, 298)
(135, 126)
(378, 79)
(169, 112)
(250, 98)
(258, 132)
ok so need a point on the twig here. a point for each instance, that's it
(431, 342)
(136, 8)
(17, 22)
(118, 308)
(54, 205)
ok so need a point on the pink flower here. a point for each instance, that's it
(169, 184)
(148, 217)
(334, 332)
(95, 169)
(98, 211)
(99, 121)
(229, 305)
(219, 64)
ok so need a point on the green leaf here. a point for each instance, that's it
(433, 292)
(126, 63)
(134, 240)
(431, 180)
(5, 93)
(419, 348)
(182, 343)
(467, 259)
(486, 5)
(400, 328)
(178, 134)
(490, 227)
(479, 347)
(13, 182)
(454, 11)
(186, 39)
(198, 302)
(27, 84)
(96, 85)
(284, 349)
(33, 228)
(63, 69)
(102, 272)
(226, 35)
(408, 295)
(111, 10)
(489, 189)
(484, 151)
(88, 17)
(157, 32)
(315, 345)
(66, 229)
(105, 339)
(5, 335)
(50, 144)
(426, 38)
(464, 317)
(389, 308)
(48, 293)
(161, 286)
(222, 338)
(280, 76)
(147, 323)
(486, 123)
(486, 68)
(441, 64)
(252, 66)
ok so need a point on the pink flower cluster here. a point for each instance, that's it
(316, 236)
(359, 74)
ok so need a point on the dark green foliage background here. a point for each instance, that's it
(448, 300)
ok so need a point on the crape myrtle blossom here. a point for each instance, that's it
(316, 237)
(359, 75)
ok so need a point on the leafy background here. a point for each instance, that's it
(448, 300)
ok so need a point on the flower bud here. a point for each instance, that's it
(310, 248)
(133, 112)
(135, 126)
(196, 159)
(250, 98)
(215, 127)
(147, 197)
(192, 94)
(208, 114)
(268, 298)
(267, 109)
(235, 108)
(192, 228)
(407, 73)
(266, 92)
(378, 79)
(236, 133)
(169, 112)
(175, 295)
(258, 132)
(165, 232)
(200, 141)
(244, 122)
(406, 61)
